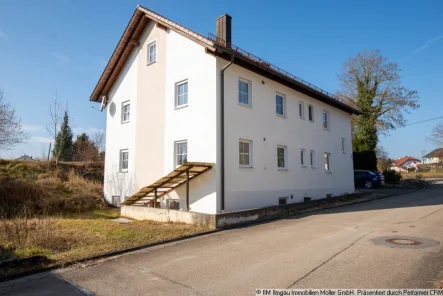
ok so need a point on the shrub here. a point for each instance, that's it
(392, 176)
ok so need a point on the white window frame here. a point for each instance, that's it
(285, 158)
(310, 106)
(249, 104)
(151, 44)
(250, 153)
(328, 123)
(176, 143)
(122, 152)
(327, 161)
(301, 109)
(312, 158)
(177, 84)
(283, 104)
(124, 105)
(303, 157)
(343, 145)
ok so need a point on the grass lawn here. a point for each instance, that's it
(76, 237)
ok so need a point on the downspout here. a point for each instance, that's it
(222, 133)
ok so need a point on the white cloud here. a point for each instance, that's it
(428, 43)
(60, 58)
(44, 140)
(32, 128)
(3, 35)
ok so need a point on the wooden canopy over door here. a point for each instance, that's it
(181, 175)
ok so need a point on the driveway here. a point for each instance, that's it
(339, 248)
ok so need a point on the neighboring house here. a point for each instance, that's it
(434, 157)
(402, 164)
(265, 136)
(25, 158)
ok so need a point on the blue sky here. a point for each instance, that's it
(64, 44)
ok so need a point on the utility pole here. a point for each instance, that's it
(49, 151)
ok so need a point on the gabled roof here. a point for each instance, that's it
(400, 161)
(214, 46)
(436, 153)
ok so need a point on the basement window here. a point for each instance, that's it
(282, 201)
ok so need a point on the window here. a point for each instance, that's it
(126, 107)
(281, 157)
(152, 52)
(244, 90)
(311, 158)
(115, 200)
(311, 113)
(181, 93)
(327, 159)
(280, 104)
(245, 153)
(343, 145)
(325, 120)
(124, 158)
(301, 109)
(282, 201)
(302, 157)
(181, 152)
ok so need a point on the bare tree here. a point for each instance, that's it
(372, 83)
(437, 134)
(56, 111)
(11, 132)
(98, 138)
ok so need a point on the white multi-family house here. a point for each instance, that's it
(196, 123)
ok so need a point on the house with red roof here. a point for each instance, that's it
(403, 163)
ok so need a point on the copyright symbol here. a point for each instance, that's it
(257, 292)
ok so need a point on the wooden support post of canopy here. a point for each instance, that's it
(155, 197)
(187, 190)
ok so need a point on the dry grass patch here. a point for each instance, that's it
(76, 237)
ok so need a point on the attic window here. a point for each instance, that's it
(152, 52)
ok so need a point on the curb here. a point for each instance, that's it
(103, 256)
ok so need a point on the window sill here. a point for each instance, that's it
(124, 171)
(246, 167)
(313, 167)
(328, 172)
(150, 63)
(303, 166)
(181, 106)
(127, 121)
(283, 169)
(281, 116)
(327, 129)
(302, 117)
(245, 105)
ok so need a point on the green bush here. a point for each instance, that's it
(392, 176)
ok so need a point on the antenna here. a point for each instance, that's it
(103, 104)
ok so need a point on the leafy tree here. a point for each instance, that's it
(11, 132)
(85, 149)
(63, 149)
(372, 83)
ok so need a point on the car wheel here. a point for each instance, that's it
(368, 184)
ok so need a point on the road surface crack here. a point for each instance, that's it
(175, 282)
(325, 262)
(404, 222)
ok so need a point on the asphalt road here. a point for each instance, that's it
(339, 248)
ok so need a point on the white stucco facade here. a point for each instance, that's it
(156, 124)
